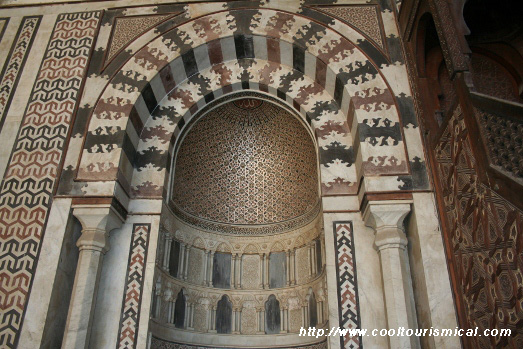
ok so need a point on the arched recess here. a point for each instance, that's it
(312, 309)
(179, 309)
(272, 315)
(224, 315)
(323, 75)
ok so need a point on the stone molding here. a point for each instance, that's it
(97, 221)
(285, 241)
(386, 218)
(169, 288)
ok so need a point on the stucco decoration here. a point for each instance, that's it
(246, 162)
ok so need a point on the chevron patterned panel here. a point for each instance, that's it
(347, 282)
(26, 191)
(133, 287)
(15, 62)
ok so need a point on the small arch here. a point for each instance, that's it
(312, 308)
(174, 258)
(224, 315)
(179, 309)
(251, 249)
(272, 315)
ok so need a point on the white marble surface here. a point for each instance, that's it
(145, 309)
(372, 309)
(436, 304)
(33, 327)
(111, 288)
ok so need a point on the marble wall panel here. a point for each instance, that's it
(195, 272)
(15, 61)
(31, 173)
(250, 271)
(249, 320)
(302, 265)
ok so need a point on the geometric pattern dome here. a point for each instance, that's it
(246, 162)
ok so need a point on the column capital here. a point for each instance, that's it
(97, 221)
(386, 218)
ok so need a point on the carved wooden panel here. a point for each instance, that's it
(484, 231)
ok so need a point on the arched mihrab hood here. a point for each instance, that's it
(246, 162)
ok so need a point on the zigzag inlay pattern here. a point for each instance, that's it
(347, 282)
(15, 62)
(134, 286)
(26, 190)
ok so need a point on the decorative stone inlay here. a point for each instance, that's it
(251, 271)
(196, 266)
(248, 103)
(15, 61)
(302, 272)
(347, 282)
(364, 18)
(126, 29)
(247, 167)
(27, 189)
(248, 320)
(132, 299)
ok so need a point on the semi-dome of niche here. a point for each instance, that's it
(246, 162)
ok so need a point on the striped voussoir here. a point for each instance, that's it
(26, 191)
(347, 283)
(322, 73)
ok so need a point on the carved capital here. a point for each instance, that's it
(97, 221)
(387, 221)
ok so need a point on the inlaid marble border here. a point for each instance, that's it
(26, 191)
(15, 61)
(134, 281)
(348, 302)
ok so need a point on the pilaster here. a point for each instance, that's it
(97, 221)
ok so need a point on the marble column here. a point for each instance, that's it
(258, 320)
(266, 271)
(212, 325)
(211, 267)
(262, 276)
(233, 270)
(235, 321)
(288, 268)
(181, 261)
(205, 267)
(293, 267)
(186, 264)
(167, 252)
(386, 218)
(97, 221)
(313, 259)
(190, 325)
(309, 250)
(282, 321)
(238, 272)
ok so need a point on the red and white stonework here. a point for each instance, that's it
(206, 175)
